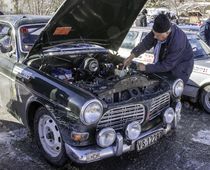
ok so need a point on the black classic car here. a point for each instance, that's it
(62, 79)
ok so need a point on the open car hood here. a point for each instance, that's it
(104, 22)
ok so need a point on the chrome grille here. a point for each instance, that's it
(159, 104)
(118, 117)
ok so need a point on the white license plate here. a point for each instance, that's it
(149, 140)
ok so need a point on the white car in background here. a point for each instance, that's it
(198, 86)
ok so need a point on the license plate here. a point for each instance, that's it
(149, 140)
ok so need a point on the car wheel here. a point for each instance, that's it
(48, 137)
(205, 98)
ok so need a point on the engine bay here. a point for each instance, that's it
(101, 74)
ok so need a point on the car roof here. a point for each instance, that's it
(190, 27)
(17, 20)
(134, 28)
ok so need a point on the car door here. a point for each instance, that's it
(201, 54)
(7, 61)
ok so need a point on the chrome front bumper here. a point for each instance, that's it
(95, 153)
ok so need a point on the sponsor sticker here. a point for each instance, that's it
(201, 69)
(62, 31)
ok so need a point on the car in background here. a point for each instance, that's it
(188, 27)
(198, 86)
(60, 79)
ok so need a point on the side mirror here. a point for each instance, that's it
(5, 48)
(194, 49)
(5, 44)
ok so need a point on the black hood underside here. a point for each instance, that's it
(104, 22)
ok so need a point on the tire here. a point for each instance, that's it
(205, 98)
(48, 138)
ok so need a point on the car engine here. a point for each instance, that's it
(104, 76)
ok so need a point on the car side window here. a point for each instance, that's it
(5, 38)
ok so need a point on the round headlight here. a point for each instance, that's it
(91, 112)
(178, 88)
(106, 137)
(133, 130)
(169, 115)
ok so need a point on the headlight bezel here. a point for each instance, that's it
(175, 86)
(101, 133)
(169, 111)
(85, 106)
(130, 127)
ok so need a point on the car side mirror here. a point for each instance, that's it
(194, 49)
(5, 48)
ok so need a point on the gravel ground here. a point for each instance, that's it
(188, 148)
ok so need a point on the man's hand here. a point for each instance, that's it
(128, 60)
(141, 67)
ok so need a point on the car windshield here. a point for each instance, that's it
(28, 36)
(200, 49)
(130, 40)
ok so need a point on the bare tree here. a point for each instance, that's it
(170, 4)
(41, 7)
(165, 3)
(2, 5)
(16, 6)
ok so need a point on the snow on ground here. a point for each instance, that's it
(8, 139)
(203, 136)
(17, 135)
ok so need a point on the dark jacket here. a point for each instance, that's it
(175, 57)
(205, 32)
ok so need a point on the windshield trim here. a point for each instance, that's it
(83, 42)
(19, 38)
(76, 42)
(78, 51)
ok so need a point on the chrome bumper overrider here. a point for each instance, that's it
(94, 153)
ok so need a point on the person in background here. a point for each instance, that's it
(1, 13)
(142, 20)
(173, 18)
(205, 31)
(172, 51)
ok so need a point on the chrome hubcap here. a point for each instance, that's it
(49, 135)
(207, 100)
